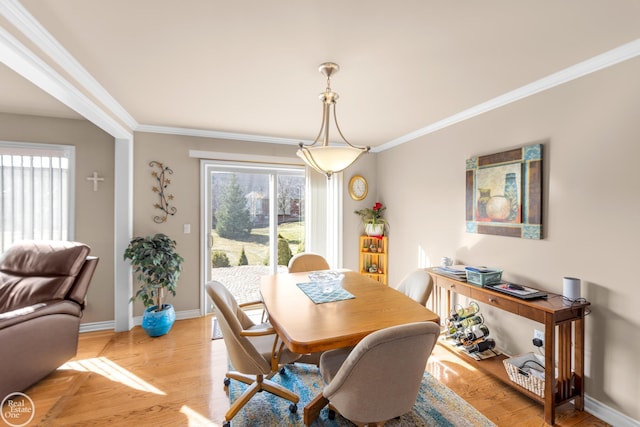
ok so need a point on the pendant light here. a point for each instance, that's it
(319, 154)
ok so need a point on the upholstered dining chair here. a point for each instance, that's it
(307, 262)
(417, 285)
(378, 379)
(251, 348)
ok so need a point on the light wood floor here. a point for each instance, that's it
(129, 379)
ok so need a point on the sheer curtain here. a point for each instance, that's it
(36, 198)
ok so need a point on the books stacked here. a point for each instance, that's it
(452, 273)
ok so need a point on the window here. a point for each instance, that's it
(254, 222)
(37, 198)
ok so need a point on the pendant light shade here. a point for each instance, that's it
(324, 158)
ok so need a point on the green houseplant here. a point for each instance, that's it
(158, 265)
(374, 224)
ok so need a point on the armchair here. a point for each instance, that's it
(417, 285)
(307, 262)
(43, 285)
(380, 377)
(252, 350)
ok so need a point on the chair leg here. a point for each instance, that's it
(258, 383)
(243, 378)
(278, 390)
(242, 400)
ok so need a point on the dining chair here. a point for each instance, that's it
(252, 350)
(417, 285)
(378, 379)
(307, 261)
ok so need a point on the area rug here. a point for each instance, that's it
(436, 405)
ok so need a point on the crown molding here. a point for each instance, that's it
(599, 62)
(216, 134)
(26, 24)
(20, 59)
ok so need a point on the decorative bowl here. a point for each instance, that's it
(327, 281)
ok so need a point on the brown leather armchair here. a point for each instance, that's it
(43, 285)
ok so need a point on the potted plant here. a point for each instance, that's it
(374, 224)
(158, 265)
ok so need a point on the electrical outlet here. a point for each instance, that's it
(538, 335)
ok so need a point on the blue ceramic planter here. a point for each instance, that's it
(158, 323)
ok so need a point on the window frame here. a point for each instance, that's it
(34, 149)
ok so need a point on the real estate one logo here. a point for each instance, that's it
(17, 409)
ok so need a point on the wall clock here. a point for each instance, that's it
(358, 187)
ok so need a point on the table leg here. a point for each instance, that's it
(578, 403)
(549, 369)
(313, 408)
(564, 361)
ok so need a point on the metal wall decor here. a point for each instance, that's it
(162, 184)
(504, 193)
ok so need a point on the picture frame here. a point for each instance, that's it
(504, 193)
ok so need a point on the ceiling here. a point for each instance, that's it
(250, 67)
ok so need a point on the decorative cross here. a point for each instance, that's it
(95, 178)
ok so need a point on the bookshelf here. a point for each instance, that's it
(374, 258)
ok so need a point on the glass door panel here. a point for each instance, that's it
(251, 213)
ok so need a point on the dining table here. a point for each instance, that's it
(341, 319)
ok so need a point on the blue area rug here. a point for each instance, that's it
(436, 404)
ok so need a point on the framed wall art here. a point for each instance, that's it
(504, 193)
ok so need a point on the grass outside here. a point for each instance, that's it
(256, 244)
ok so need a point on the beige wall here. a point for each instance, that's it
(353, 228)
(94, 210)
(590, 129)
(173, 151)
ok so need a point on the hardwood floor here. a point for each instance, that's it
(127, 378)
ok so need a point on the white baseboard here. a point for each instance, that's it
(608, 414)
(97, 326)
(180, 315)
(137, 321)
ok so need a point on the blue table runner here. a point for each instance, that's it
(316, 295)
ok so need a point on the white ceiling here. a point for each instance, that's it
(250, 66)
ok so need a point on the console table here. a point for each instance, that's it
(562, 322)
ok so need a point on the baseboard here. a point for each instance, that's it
(608, 414)
(137, 321)
(97, 326)
(180, 315)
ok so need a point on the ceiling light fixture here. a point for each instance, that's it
(324, 158)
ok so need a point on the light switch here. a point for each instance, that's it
(186, 228)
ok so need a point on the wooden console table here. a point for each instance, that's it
(562, 321)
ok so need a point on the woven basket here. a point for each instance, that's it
(519, 368)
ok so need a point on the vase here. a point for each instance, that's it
(485, 196)
(498, 208)
(158, 323)
(511, 193)
(374, 230)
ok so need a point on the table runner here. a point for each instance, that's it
(312, 290)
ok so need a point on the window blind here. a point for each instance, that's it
(35, 185)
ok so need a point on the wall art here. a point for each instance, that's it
(162, 182)
(504, 193)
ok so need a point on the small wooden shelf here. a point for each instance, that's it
(493, 366)
(374, 253)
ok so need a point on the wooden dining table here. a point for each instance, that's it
(306, 327)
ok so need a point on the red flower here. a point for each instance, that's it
(372, 215)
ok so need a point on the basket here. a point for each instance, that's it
(525, 370)
(489, 276)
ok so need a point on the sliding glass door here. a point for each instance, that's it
(254, 223)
